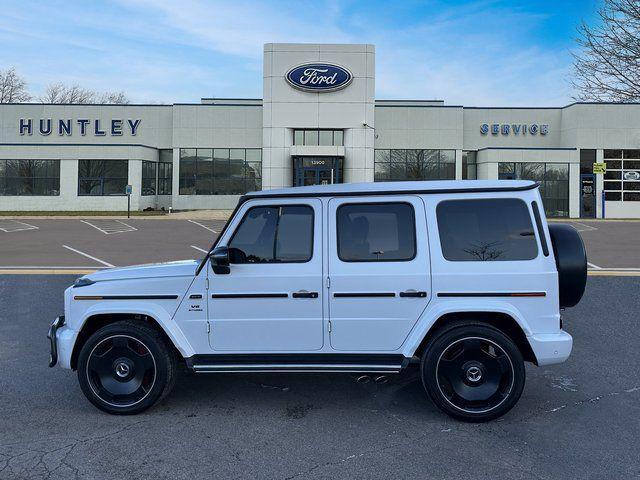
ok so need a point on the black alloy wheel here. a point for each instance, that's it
(473, 372)
(126, 367)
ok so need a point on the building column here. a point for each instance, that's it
(599, 185)
(458, 164)
(574, 190)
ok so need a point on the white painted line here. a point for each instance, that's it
(203, 226)
(586, 228)
(16, 226)
(110, 226)
(51, 267)
(594, 266)
(200, 249)
(106, 264)
(617, 269)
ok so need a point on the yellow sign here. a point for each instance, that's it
(600, 167)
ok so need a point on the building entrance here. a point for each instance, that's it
(587, 195)
(317, 170)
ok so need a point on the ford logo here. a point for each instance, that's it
(632, 175)
(319, 77)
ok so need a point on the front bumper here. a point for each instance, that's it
(51, 335)
(550, 348)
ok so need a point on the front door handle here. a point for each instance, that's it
(303, 294)
(413, 294)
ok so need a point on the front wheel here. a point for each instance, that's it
(473, 372)
(125, 368)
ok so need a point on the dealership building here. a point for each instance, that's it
(317, 123)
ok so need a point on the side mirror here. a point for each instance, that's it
(220, 260)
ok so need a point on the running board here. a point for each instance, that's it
(347, 363)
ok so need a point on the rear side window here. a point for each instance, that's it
(273, 234)
(486, 230)
(370, 232)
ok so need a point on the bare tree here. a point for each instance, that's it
(607, 67)
(13, 89)
(75, 94)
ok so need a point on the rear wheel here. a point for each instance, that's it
(126, 367)
(473, 372)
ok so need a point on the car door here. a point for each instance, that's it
(271, 299)
(380, 283)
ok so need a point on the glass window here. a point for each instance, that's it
(311, 137)
(553, 179)
(165, 178)
(397, 164)
(102, 177)
(274, 234)
(149, 172)
(318, 137)
(30, 177)
(469, 165)
(587, 159)
(622, 179)
(486, 230)
(376, 232)
(220, 171)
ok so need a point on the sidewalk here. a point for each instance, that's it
(185, 215)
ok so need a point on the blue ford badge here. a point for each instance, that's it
(319, 77)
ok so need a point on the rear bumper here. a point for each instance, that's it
(551, 348)
(61, 340)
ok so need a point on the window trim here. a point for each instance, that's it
(526, 207)
(394, 202)
(278, 205)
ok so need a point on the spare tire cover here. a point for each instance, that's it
(571, 260)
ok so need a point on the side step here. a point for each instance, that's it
(328, 362)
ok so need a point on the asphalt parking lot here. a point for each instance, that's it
(575, 420)
(85, 244)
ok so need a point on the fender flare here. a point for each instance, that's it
(426, 322)
(162, 318)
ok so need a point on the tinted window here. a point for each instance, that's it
(486, 230)
(376, 232)
(274, 234)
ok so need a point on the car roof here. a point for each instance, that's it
(382, 188)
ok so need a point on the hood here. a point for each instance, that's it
(182, 268)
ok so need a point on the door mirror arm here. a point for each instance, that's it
(220, 260)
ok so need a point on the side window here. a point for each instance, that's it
(486, 230)
(370, 232)
(273, 234)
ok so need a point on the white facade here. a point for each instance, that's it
(231, 143)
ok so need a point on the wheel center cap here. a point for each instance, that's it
(474, 374)
(122, 369)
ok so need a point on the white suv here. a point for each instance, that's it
(465, 279)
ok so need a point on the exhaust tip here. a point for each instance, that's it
(381, 379)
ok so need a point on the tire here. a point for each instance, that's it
(126, 367)
(473, 372)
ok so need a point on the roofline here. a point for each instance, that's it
(435, 191)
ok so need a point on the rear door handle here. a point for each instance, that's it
(304, 294)
(413, 294)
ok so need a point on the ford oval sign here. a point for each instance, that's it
(319, 77)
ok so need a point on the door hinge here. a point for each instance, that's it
(328, 282)
(329, 326)
(206, 283)
(208, 328)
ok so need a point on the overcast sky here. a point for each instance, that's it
(474, 53)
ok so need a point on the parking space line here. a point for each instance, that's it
(200, 249)
(109, 227)
(594, 266)
(203, 226)
(106, 264)
(586, 228)
(19, 226)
